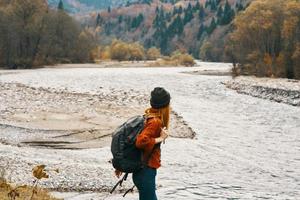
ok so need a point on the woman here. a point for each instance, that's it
(154, 133)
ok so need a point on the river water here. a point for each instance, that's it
(245, 147)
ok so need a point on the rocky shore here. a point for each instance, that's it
(67, 130)
(278, 90)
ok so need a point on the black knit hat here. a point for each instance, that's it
(159, 98)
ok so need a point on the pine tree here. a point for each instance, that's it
(212, 27)
(228, 14)
(175, 11)
(156, 10)
(213, 5)
(136, 22)
(201, 13)
(120, 19)
(220, 12)
(189, 6)
(196, 7)
(180, 10)
(147, 1)
(160, 35)
(239, 7)
(98, 20)
(60, 5)
(207, 3)
(176, 27)
(202, 29)
(188, 14)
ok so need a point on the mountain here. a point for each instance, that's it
(84, 6)
(196, 27)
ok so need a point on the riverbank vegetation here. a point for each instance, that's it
(9, 191)
(266, 41)
(261, 37)
(124, 51)
(31, 35)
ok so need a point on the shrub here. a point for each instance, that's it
(136, 51)
(153, 53)
(182, 59)
(119, 51)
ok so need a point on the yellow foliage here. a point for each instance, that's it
(206, 51)
(105, 53)
(39, 172)
(9, 192)
(122, 51)
(280, 62)
(265, 37)
(296, 60)
(268, 59)
(136, 51)
(153, 53)
(177, 59)
(119, 51)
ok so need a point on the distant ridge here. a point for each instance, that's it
(79, 6)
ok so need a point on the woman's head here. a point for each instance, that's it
(160, 100)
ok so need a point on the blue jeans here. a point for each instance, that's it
(144, 180)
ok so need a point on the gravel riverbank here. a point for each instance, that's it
(278, 90)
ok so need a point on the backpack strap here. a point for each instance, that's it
(129, 190)
(119, 183)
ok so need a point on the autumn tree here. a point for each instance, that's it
(136, 52)
(31, 34)
(153, 53)
(206, 51)
(266, 39)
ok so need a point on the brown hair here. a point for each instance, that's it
(162, 113)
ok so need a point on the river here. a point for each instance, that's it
(245, 147)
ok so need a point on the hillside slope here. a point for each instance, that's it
(80, 6)
(197, 27)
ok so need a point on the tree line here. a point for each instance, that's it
(266, 39)
(169, 26)
(124, 51)
(32, 34)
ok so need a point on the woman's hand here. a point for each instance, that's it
(118, 173)
(164, 134)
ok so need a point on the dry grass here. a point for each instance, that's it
(9, 191)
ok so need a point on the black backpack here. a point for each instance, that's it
(126, 156)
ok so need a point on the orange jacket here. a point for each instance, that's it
(146, 141)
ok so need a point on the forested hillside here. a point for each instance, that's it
(77, 6)
(260, 36)
(196, 27)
